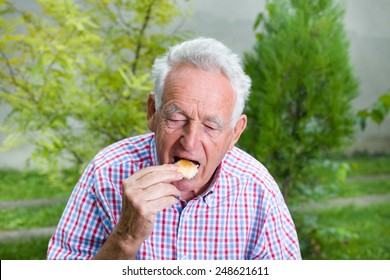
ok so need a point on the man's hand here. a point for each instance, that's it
(144, 194)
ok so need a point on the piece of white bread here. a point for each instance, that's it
(187, 168)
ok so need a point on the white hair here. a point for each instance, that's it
(207, 54)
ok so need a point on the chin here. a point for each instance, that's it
(186, 185)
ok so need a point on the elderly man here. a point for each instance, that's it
(133, 203)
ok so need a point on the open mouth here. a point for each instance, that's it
(189, 168)
(176, 159)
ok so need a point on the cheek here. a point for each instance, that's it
(165, 140)
(216, 150)
(223, 142)
(215, 153)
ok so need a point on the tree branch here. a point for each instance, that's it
(141, 35)
(13, 76)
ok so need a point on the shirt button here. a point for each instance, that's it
(184, 257)
(186, 217)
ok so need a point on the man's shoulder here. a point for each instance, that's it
(136, 148)
(239, 163)
(250, 173)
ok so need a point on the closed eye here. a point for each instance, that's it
(210, 127)
(214, 124)
(212, 130)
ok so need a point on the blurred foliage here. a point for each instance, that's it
(300, 108)
(346, 233)
(76, 73)
(377, 112)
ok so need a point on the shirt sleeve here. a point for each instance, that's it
(277, 237)
(81, 230)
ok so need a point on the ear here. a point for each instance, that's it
(150, 112)
(238, 129)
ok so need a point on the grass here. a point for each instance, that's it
(351, 232)
(355, 232)
(369, 165)
(30, 249)
(30, 217)
(364, 187)
(367, 176)
(16, 185)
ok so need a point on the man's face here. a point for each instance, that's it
(195, 122)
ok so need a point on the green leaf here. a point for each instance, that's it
(258, 21)
(385, 99)
(377, 115)
(362, 123)
(363, 114)
(259, 37)
(381, 106)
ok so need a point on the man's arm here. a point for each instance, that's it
(144, 194)
(118, 248)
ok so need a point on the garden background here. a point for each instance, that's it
(346, 218)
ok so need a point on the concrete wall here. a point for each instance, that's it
(368, 27)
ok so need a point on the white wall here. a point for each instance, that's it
(368, 26)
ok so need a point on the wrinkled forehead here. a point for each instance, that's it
(190, 88)
(213, 79)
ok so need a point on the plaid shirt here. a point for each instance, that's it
(241, 216)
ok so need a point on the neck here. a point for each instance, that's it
(188, 195)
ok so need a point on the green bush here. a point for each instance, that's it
(76, 73)
(300, 110)
(26, 249)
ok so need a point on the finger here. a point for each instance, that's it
(152, 177)
(155, 177)
(151, 169)
(160, 190)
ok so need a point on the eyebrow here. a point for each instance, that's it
(172, 109)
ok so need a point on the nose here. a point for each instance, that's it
(190, 137)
